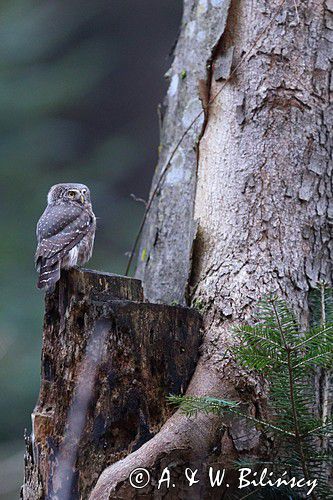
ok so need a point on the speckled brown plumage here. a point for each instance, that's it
(65, 232)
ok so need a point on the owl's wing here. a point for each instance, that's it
(55, 218)
(60, 228)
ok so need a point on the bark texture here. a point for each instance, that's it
(108, 361)
(165, 254)
(263, 207)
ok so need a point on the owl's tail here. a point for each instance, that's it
(49, 274)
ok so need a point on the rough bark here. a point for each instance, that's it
(108, 361)
(263, 205)
(168, 245)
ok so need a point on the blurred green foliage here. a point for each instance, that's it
(79, 84)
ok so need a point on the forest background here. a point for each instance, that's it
(80, 83)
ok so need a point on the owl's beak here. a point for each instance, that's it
(82, 198)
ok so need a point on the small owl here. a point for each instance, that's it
(65, 232)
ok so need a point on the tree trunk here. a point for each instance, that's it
(244, 209)
(109, 360)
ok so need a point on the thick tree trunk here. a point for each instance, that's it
(109, 360)
(167, 240)
(262, 206)
(245, 208)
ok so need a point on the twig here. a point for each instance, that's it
(140, 200)
(318, 428)
(320, 333)
(307, 360)
(175, 149)
(233, 409)
(260, 422)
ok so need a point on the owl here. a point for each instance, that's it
(65, 232)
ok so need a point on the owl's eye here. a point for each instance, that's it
(83, 191)
(71, 194)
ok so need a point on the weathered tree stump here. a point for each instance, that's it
(108, 361)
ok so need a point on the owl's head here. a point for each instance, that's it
(70, 192)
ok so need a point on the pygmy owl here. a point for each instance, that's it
(65, 232)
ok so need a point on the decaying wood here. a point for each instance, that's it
(109, 360)
(263, 205)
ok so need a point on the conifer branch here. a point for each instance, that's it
(272, 348)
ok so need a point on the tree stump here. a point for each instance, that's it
(109, 359)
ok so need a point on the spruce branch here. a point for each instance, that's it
(276, 347)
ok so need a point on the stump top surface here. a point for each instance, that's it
(103, 286)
